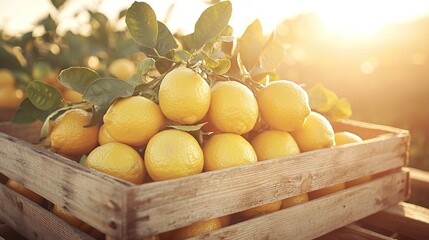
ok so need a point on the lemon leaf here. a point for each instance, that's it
(211, 23)
(58, 3)
(210, 62)
(135, 80)
(341, 110)
(77, 78)
(44, 96)
(321, 99)
(181, 55)
(272, 55)
(166, 41)
(105, 90)
(250, 44)
(187, 128)
(28, 113)
(163, 64)
(223, 66)
(97, 115)
(142, 24)
(145, 66)
(188, 42)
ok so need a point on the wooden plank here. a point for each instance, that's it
(365, 130)
(28, 132)
(420, 187)
(320, 216)
(163, 206)
(406, 219)
(86, 193)
(32, 221)
(354, 232)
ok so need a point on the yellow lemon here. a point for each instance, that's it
(70, 136)
(118, 160)
(233, 107)
(19, 188)
(133, 120)
(184, 96)
(6, 78)
(196, 229)
(284, 105)
(122, 68)
(104, 137)
(295, 200)
(227, 150)
(274, 144)
(316, 133)
(173, 154)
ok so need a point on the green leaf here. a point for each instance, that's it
(135, 80)
(77, 78)
(44, 96)
(105, 90)
(8, 59)
(250, 45)
(22, 77)
(40, 71)
(272, 55)
(97, 115)
(163, 65)
(188, 42)
(49, 24)
(341, 110)
(122, 13)
(211, 23)
(58, 3)
(145, 66)
(187, 128)
(243, 69)
(181, 55)
(166, 41)
(28, 113)
(142, 24)
(321, 99)
(223, 66)
(211, 63)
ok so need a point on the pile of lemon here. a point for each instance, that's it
(134, 144)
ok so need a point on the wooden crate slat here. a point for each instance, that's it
(365, 130)
(406, 219)
(86, 193)
(214, 194)
(33, 221)
(354, 232)
(320, 216)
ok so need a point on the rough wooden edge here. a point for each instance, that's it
(364, 127)
(88, 194)
(163, 206)
(420, 177)
(406, 219)
(33, 221)
(354, 232)
(320, 216)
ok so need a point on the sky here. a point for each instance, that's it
(343, 17)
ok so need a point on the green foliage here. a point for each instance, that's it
(28, 113)
(44, 96)
(142, 24)
(211, 23)
(104, 91)
(77, 78)
(166, 40)
(326, 102)
(58, 3)
(145, 66)
(250, 45)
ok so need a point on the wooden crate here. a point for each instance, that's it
(125, 211)
(403, 221)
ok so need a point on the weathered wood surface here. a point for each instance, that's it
(354, 232)
(86, 193)
(320, 216)
(33, 221)
(405, 219)
(162, 206)
(28, 132)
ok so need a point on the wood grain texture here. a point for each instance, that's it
(29, 132)
(162, 206)
(420, 187)
(354, 232)
(406, 219)
(320, 216)
(32, 221)
(365, 130)
(88, 194)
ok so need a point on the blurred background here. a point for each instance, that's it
(374, 53)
